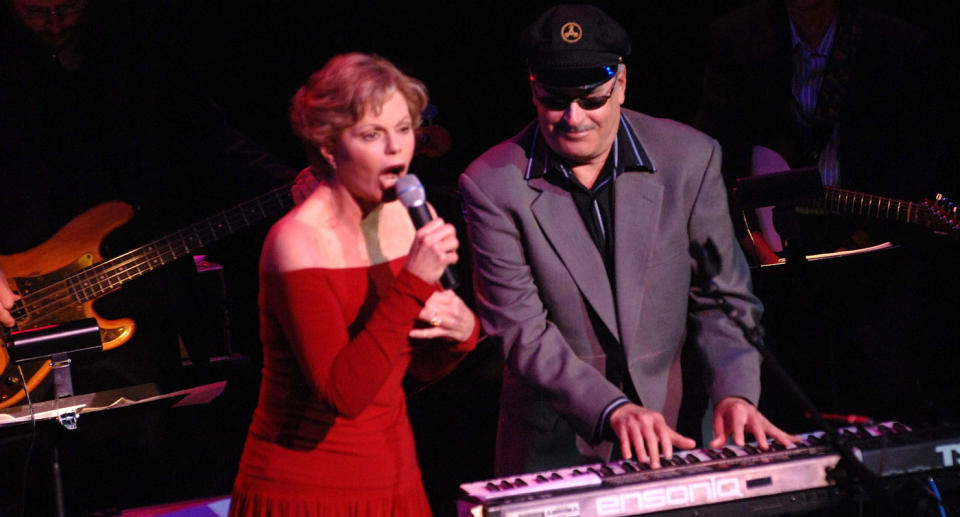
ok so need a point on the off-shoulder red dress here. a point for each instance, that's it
(330, 435)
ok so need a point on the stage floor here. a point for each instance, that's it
(209, 507)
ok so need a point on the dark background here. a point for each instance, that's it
(250, 57)
(254, 56)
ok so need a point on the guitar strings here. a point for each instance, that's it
(840, 199)
(50, 297)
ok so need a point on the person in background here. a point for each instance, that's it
(866, 98)
(581, 228)
(349, 303)
(869, 101)
(7, 298)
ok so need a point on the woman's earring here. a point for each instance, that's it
(328, 156)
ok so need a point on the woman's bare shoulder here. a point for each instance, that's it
(297, 242)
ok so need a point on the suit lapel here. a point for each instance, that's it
(562, 226)
(637, 204)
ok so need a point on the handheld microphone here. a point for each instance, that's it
(411, 193)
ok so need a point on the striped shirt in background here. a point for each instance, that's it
(808, 68)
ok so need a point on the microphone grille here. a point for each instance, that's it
(410, 191)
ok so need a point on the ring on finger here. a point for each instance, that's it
(435, 321)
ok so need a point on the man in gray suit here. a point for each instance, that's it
(581, 227)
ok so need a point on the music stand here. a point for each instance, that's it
(778, 188)
(15, 422)
(55, 343)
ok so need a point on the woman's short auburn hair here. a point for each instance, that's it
(338, 95)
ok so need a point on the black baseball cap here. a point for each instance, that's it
(574, 46)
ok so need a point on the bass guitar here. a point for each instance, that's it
(59, 280)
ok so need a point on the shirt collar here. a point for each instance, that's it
(628, 154)
(826, 43)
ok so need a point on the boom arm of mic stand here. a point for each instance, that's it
(754, 335)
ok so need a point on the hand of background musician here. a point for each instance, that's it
(6, 301)
(647, 432)
(434, 248)
(447, 316)
(734, 415)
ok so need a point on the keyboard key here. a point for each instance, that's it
(713, 454)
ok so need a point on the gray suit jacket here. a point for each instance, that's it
(539, 276)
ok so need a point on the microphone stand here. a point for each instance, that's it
(708, 259)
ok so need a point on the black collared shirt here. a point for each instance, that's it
(596, 208)
(596, 204)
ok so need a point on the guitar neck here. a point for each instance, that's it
(867, 205)
(109, 275)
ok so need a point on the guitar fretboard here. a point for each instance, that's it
(108, 275)
(867, 205)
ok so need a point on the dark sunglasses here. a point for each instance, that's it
(561, 103)
(36, 12)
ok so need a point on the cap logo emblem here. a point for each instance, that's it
(571, 32)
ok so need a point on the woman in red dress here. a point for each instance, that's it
(349, 304)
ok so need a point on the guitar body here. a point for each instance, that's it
(73, 248)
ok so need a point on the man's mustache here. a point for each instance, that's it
(564, 127)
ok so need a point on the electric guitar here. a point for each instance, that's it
(59, 280)
(937, 215)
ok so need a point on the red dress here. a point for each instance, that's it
(330, 435)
